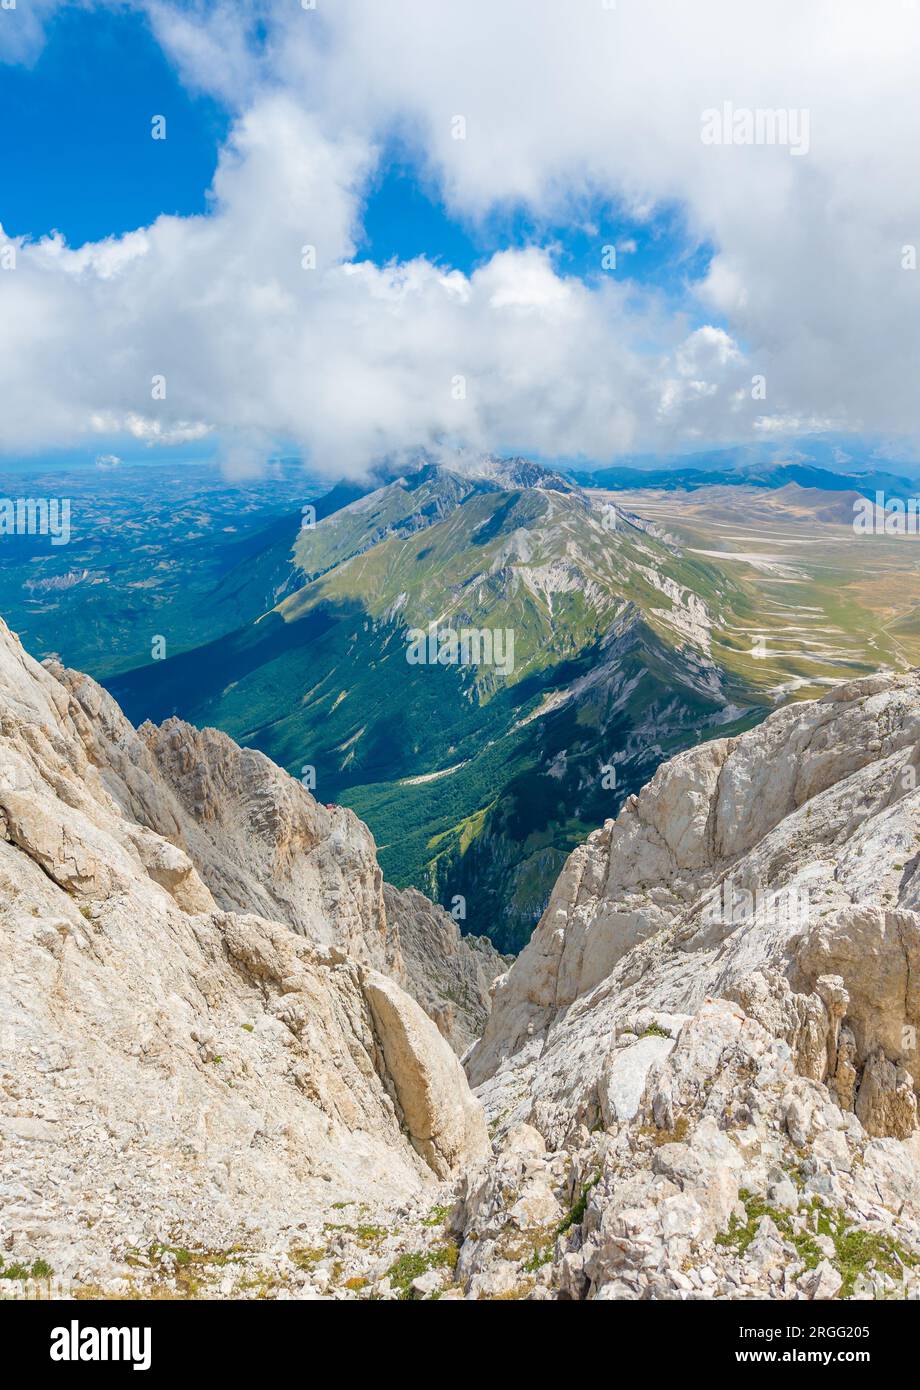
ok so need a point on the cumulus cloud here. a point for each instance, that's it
(266, 327)
(256, 322)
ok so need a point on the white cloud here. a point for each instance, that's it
(213, 324)
(561, 99)
(524, 280)
(706, 350)
(22, 30)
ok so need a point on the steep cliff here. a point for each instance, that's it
(262, 843)
(173, 1057)
(716, 1024)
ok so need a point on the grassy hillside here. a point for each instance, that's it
(474, 782)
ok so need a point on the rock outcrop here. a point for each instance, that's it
(445, 1124)
(777, 869)
(174, 1057)
(716, 1023)
(262, 844)
(700, 1075)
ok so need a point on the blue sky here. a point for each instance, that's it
(404, 217)
(73, 159)
(77, 160)
(750, 266)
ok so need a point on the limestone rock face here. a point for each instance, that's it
(714, 1031)
(736, 1177)
(173, 1052)
(450, 975)
(262, 844)
(446, 1125)
(700, 1076)
(778, 870)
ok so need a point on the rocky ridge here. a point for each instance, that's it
(261, 843)
(699, 1076)
(707, 1053)
(175, 1064)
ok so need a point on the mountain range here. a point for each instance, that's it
(476, 782)
(770, 475)
(634, 635)
(643, 620)
(830, 461)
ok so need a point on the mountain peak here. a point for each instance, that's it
(511, 473)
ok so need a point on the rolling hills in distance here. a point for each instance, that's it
(830, 462)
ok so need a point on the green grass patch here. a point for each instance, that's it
(856, 1251)
(410, 1266)
(540, 1257)
(38, 1269)
(579, 1207)
(436, 1217)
